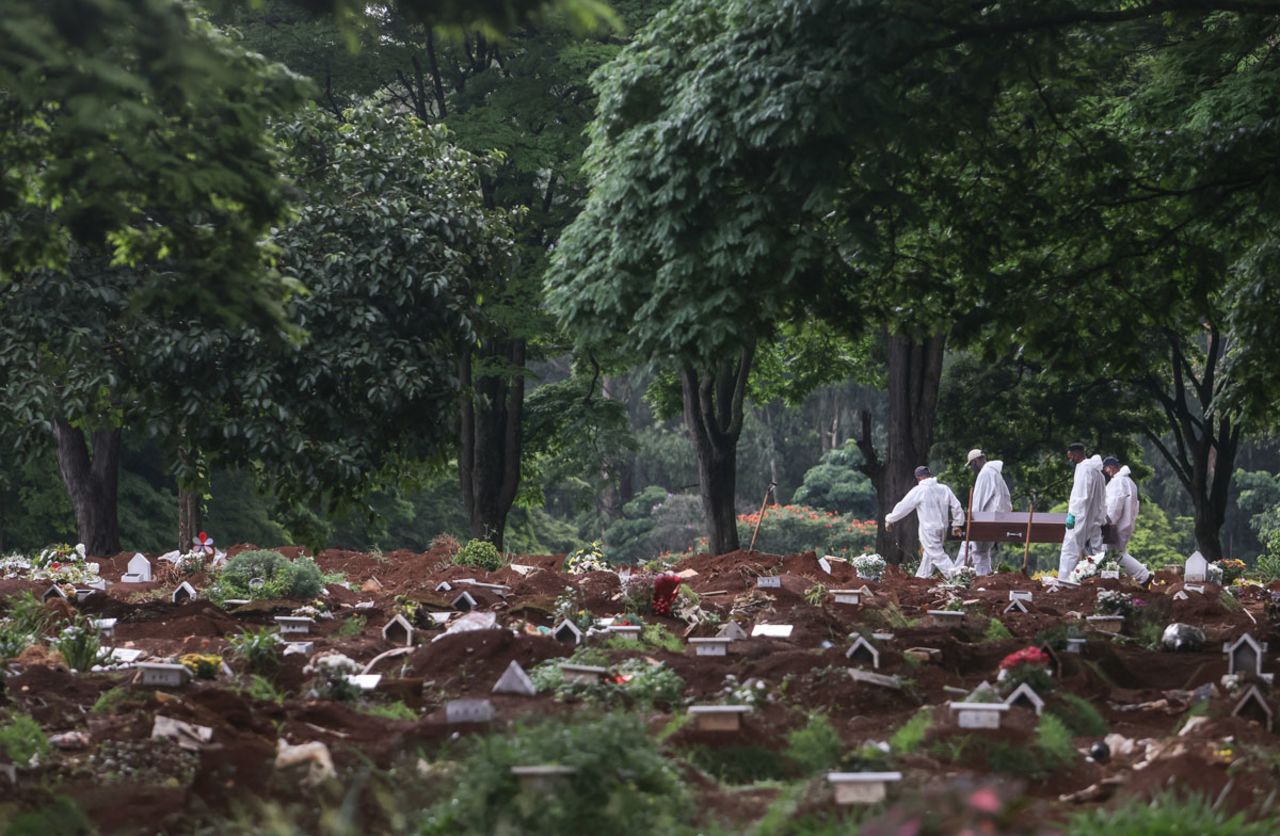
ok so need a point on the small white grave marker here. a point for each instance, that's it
(878, 679)
(1024, 695)
(444, 586)
(1194, 587)
(769, 582)
(1181, 596)
(1017, 595)
(163, 674)
(1196, 570)
(188, 736)
(773, 631)
(464, 602)
(847, 596)
(719, 717)
(1015, 605)
(1107, 623)
(568, 632)
(711, 646)
(861, 787)
(1253, 706)
(582, 673)
(627, 631)
(365, 681)
(299, 648)
(515, 681)
(107, 627)
(923, 654)
(1075, 645)
(979, 715)
(544, 779)
(183, 594)
(295, 623)
(946, 618)
(139, 570)
(54, 591)
(398, 631)
(824, 564)
(732, 630)
(1244, 656)
(469, 711)
(862, 651)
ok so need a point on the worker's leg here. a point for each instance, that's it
(1070, 553)
(933, 556)
(1128, 563)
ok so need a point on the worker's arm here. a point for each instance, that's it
(904, 507)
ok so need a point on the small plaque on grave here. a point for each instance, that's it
(773, 631)
(469, 711)
(711, 646)
(979, 715)
(295, 623)
(769, 582)
(861, 787)
(719, 717)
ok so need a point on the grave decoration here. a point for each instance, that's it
(1231, 569)
(543, 779)
(183, 594)
(1182, 637)
(139, 570)
(295, 623)
(847, 596)
(1024, 695)
(1111, 607)
(861, 787)
(1252, 705)
(398, 631)
(469, 711)
(869, 566)
(1244, 657)
(566, 631)
(586, 559)
(732, 630)
(1028, 666)
(978, 715)
(163, 674)
(464, 602)
(768, 582)
(1196, 569)
(666, 588)
(514, 680)
(202, 544)
(719, 717)
(863, 652)
(1110, 571)
(711, 646)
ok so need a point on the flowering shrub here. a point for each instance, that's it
(586, 559)
(1231, 569)
(1029, 665)
(868, 565)
(789, 529)
(1114, 602)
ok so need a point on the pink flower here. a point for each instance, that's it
(985, 800)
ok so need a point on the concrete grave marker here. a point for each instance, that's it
(364, 681)
(1253, 706)
(515, 681)
(847, 596)
(1244, 656)
(882, 637)
(54, 591)
(398, 631)
(769, 582)
(983, 689)
(444, 586)
(923, 654)
(188, 736)
(711, 646)
(1075, 645)
(1180, 595)
(107, 627)
(439, 619)
(568, 632)
(183, 594)
(139, 570)
(1109, 574)
(521, 569)
(861, 787)
(1106, 623)
(469, 711)
(627, 631)
(979, 715)
(946, 618)
(1017, 595)
(877, 679)
(582, 673)
(862, 651)
(1196, 569)
(544, 779)
(163, 674)
(464, 602)
(1193, 587)
(1015, 605)
(299, 648)
(732, 630)
(773, 631)
(1025, 696)
(824, 565)
(295, 623)
(718, 717)
(125, 655)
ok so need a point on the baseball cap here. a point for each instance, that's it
(975, 453)
(923, 471)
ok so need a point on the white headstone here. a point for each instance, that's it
(568, 632)
(979, 715)
(398, 631)
(139, 570)
(183, 594)
(769, 582)
(711, 647)
(464, 602)
(515, 681)
(469, 711)
(295, 623)
(863, 650)
(719, 717)
(1196, 569)
(732, 630)
(861, 787)
(824, 565)
(773, 631)
(164, 674)
(299, 648)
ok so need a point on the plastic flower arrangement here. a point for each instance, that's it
(1114, 602)
(637, 590)
(665, 589)
(1231, 569)
(586, 559)
(201, 665)
(1086, 568)
(962, 576)
(1029, 665)
(65, 565)
(868, 566)
(1111, 566)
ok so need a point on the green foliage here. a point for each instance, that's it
(281, 577)
(259, 649)
(21, 739)
(1267, 569)
(1053, 740)
(352, 625)
(642, 684)
(908, 737)
(481, 554)
(79, 645)
(27, 613)
(996, 631)
(1166, 815)
(815, 746)
(622, 783)
(112, 700)
(1077, 714)
(836, 484)
(12, 641)
(739, 763)
(261, 688)
(654, 522)
(1160, 541)
(391, 711)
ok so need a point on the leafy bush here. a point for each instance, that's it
(479, 553)
(1053, 739)
(12, 641)
(281, 577)
(740, 764)
(1166, 815)
(910, 734)
(654, 522)
(260, 649)
(622, 784)
(27, 613)
(996, 631)
(1078, 714)
(790, 529)
(815, 746)
(1267, 569)
(80, 645)
(393, 711)
(636, 682)
(21, 739)
(836, 484)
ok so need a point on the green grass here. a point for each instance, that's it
(353, 626)
(908, 737)
(395, 711)
(815, 746)
(1167, 815)
(1078, 714)
(261, 688)
(114, 699)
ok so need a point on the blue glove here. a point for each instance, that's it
(1071, 520)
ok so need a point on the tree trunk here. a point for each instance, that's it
(713, 410)
(92, 484)
(915, 373)
(189, 517)
(1205, 435)
(489, 459)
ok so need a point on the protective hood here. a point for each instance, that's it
(1094, 463)
(1123, 471)
(998, 467)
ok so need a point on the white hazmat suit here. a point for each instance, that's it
(1122, 516)
(1088, 505)
(990, 493)
(934, 505)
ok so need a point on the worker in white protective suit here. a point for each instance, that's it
(1122, 516)
(1086, 511)
(990, 493)
(936, 509)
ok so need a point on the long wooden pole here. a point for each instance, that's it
(1026, 548)
(759, 519)
(968, 526)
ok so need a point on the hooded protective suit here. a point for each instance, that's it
(937, 509)
(1088, 505)
(990, 493)
(1122, 515)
